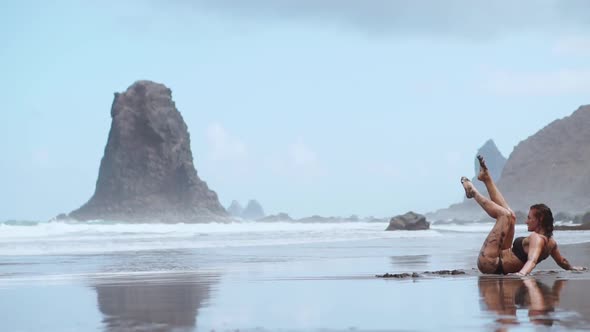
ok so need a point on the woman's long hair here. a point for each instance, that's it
(544, 214)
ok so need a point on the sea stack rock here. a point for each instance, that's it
(494, 160)
(552, 167)
(253, 210)
(409, 222)
(147, 172)
(235, 209)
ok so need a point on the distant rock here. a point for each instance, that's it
(235, 209)
(374, 219)
(147, 172)
(353, 218)
(410, 222)
(494, 160)
(276, 217)
(318, 219)
(253, 210)
(552, 167)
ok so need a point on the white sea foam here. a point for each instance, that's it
(96, 237)
(46, 238)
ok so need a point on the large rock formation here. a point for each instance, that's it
(147, 172)
(552, 167)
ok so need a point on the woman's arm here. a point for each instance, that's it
(535, 249)
(561, 261)
(536, 295)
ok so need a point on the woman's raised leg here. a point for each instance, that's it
(495, 196)
(495, 242)
(485, 177)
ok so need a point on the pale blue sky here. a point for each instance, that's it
(311, 107)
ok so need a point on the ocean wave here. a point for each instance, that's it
(95, 237)
(58, 237)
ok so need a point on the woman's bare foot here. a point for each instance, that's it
(468, 186)
(484, 174)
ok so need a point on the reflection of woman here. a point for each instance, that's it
(496, 255)
(541, 299)
(505, 296)
(498, 296)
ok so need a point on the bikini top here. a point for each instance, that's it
(518, 250)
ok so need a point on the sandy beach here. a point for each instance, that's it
(314, 285)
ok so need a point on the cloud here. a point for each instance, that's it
(450, 18)
(550, 83)
(298, 161)
(224, 146)
(572, 46)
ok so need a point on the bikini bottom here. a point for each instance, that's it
(500, 268)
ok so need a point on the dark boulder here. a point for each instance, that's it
(410, 222)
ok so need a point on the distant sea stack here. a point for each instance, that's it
(147, 172)
(235, 209)
(253, 210)
(494, 160)
(552, 167)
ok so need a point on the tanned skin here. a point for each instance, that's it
(496, 248)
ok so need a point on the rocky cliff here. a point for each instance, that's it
(552, 167)
(147, 172)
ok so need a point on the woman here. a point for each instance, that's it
(496, 255)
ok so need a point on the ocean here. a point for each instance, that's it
(280, 276)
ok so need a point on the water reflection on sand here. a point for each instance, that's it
(510, 299)
(158, 302)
